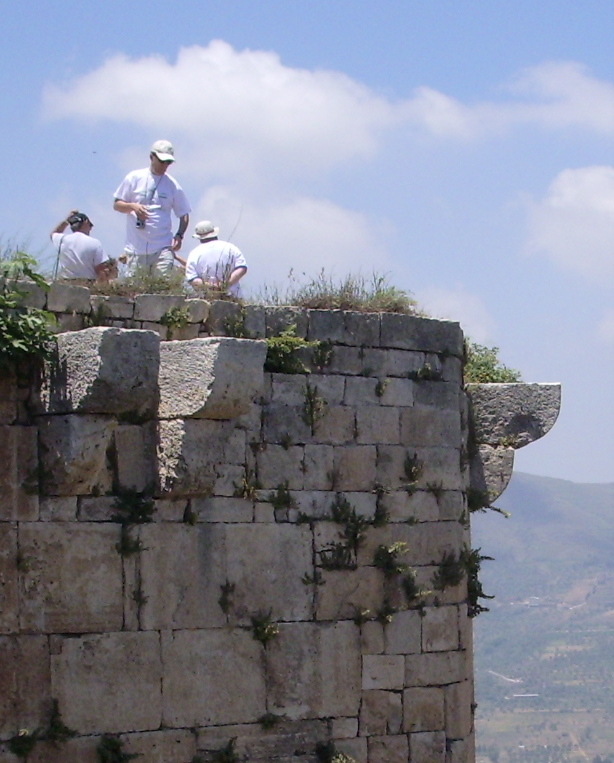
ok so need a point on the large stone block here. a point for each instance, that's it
(212, 378)
(102, 370)
(318, 466)
(111, 307)
(278, 465)
(108, 683)
(423, 709)
(153, 307)
(343, 593)
(389, 749)
(68, 298)
(166, 746)
(377, 425)
(491, 470)
(9, 589)
(279, 319)
(459, 710)
(427, 747)
(410, 332)
(337, 425)
(284, 423)
(355, 467)
(212, 677)
(430, 427)
(513, 414)
(19, 474)
(381, 712)
(189, 451)
(72, 577)
(404, 632)
(135, 450)
(314, 670)
(73, 452)
(383, 671)
(440, 629)
(30, 294)
(437, 668)
(25, 695)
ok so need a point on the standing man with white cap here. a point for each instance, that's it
(214, 263)
(148, 197)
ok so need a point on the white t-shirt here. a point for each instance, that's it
(214, 261)
(161, 194)
(79, 254)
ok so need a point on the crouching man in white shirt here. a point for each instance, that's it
(79, 255)
(215, 263)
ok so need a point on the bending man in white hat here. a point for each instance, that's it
(215, 263)
(148, 197)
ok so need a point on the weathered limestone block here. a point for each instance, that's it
(427, 542)
(19, 476)
(103, 370)
(459, 713)
(436, 668)
(491, 470)
(360, 390)
(9, 589)
(410, 332)
(513, 415)
(356, 749)
(344, 728)
(336, 426)
(111, 307)
(277, 465)
(108, 683)
(372, 637)
(212, 378)
(314, 670)
(153, 307)
(8, 395)
(212, 677)
(397, 392)
(440, 629)
(30, 294)
(437, 394)
(78, 750)
(188, 452)
(381, 712)
(461, 750)
(404, 633)
(198, 310)
(167, 746)
(68, 298)
(284, 423)
(345, 592)
(221, 509)
(326, 325)
(222, 316)
(383, 671)
(25, 695)
(377, 425)
(254, 323)
(58, 509)
(347, 361)
(318, 467)
(430, 427)
(427, 747)
(423, 709)
(355, 467)
(419, 505)
(279, 319)
(71, 581)
(73, 452)
(388, 749)
(135, 456)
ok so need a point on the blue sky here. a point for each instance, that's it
(463, 147)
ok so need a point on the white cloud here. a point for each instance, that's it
(301, 234)
(574, 223)
(606, 327)
(460, 305)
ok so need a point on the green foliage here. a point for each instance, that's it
(425, 373)
(281, 498)
(386, 612)
(234, 325)
(353, 292)
(190, 517)
(24, 331)
(315, 579)
(57, 731)
(225, 600)
(380, 387)
(361, 616)
(23, 743)
(133, 508)
(326, 752)
(322, 354)
(109, 750)
(143, 281)
(472, 559)
(410, 587)
(175, 318)
(482, 365)
(337, 556)
(226, 754)
(412, 470)
(436, 489)
(450, 571)
(479, 500)
(281, 352)
(354, 526)
(263, 627)
(128, 545)
(270, 720)
(313, 407)
(386, 558)
(248, 486)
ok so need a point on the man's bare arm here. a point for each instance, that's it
(126, 207)
(61, 227)
(178, 237)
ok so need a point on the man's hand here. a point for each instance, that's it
(177, 242)
(140, 210)
(126, 207)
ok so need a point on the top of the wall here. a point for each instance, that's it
(179, 317)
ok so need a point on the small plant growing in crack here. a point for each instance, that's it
(410, 587)
(386, 558)
(361, 616)
(326, 752)
(450, 571)
(175, 318)
(128, 545)
(133, 508)
(190, 517)
(23, 743)
(264, 629)
(281, 498)
(248, 486)
(380, 387)
(315, 579)
(322, 354)
(226, 754)
(110, 750)
(337, 556)
(285, 441)
(138, 596)
(385, 612)
(225, 600)
(436, 489)
(57, 731)
(313, 407)
(412, 470)
(270, 720)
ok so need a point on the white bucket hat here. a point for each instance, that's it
(164, 150)
(205, 229)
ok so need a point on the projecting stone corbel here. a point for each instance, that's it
(503, 418)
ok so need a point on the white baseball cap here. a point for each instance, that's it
(164, 150)
(205, 229)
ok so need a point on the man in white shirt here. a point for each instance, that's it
(79, 255)
(148, 197)
(215, 263)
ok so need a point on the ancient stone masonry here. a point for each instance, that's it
(212, 561)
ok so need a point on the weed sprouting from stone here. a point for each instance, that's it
(450, 571)
(386, 558)
(133, 508)
(281, 498)
(22, 744)
(313, 407)
(225, 600)
(110, 750)
(264, 629)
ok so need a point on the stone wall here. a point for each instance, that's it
(206, 559)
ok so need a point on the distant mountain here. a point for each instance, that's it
(551, 623)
